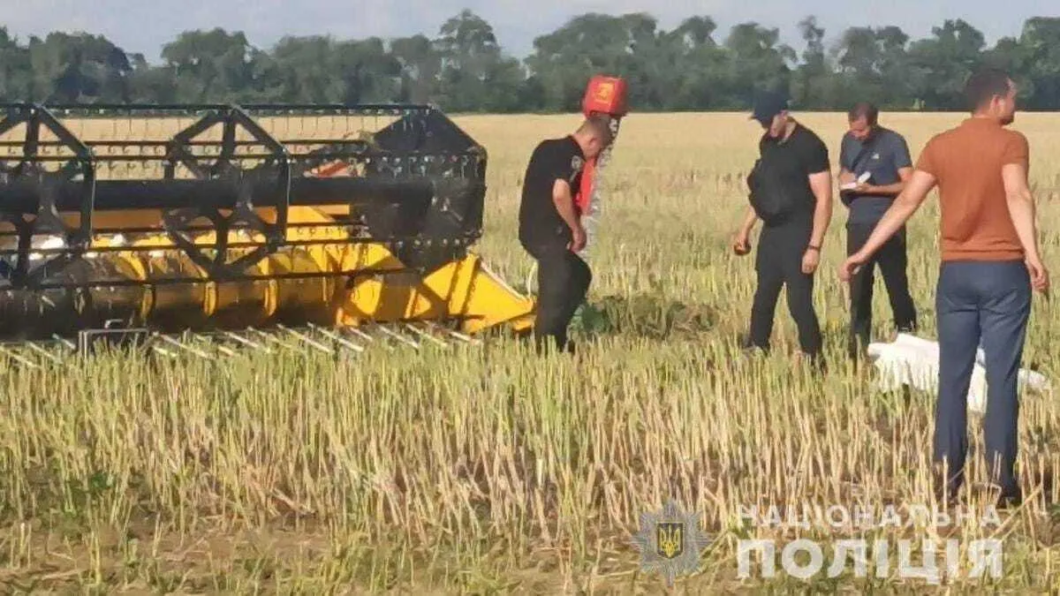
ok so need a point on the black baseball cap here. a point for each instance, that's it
(768, 104)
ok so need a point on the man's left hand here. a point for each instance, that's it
(810, 260)
(864, 189)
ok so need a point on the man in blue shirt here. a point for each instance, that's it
(874, 168)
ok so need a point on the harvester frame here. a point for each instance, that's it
(406, 200)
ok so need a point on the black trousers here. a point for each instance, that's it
(892, 262)
(563, 280)
(779, 264)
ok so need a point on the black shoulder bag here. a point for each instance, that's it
(772, 200)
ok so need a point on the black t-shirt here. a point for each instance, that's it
(802, 154)
(539, 221)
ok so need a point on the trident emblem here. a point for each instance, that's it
(670, 539)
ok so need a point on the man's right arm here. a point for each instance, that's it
(563, 199)
(845, 175)
(749, 221)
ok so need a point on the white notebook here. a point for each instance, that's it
(861, 180)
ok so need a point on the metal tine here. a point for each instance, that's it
(69, 344)
(16, 357)
(173, 342)
(337, 339)
(211, 341)
(272, 337)
(33, 346)
(367, 337)
(226, 351)
(305, 338)
(456, 334)
(246, 342)
(163, 351)
(359, 333)
(427, 335)
(398, 336)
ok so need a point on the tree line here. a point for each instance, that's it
(463, 68)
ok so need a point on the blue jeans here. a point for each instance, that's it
(988, 304)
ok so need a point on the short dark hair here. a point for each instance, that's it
(599, 126)
(866, 110)
(984, 85)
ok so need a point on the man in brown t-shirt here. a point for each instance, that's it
(990, 262)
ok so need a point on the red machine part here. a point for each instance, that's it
(604, 95)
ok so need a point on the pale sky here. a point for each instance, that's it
(145, 25)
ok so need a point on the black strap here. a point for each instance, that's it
(857, 159)
(861, 154)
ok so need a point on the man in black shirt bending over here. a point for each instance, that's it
(792, 193)
(550, 227)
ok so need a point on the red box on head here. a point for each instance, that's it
(603, 95)
(606, 95)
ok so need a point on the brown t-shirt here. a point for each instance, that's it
(966, 161)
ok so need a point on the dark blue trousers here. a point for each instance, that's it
(985, 303)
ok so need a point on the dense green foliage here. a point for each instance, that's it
(465, 69)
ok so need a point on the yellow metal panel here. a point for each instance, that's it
(465, 290)
(482, 299)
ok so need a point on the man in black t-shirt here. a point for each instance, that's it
(789, 250)
(550, 227)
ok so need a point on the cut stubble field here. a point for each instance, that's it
(488, 469)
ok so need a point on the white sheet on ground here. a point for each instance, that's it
(910, 360)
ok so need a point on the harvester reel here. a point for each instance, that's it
(178, 222)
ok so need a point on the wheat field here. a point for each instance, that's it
(490, 470)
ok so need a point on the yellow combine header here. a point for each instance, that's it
(157, 220)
